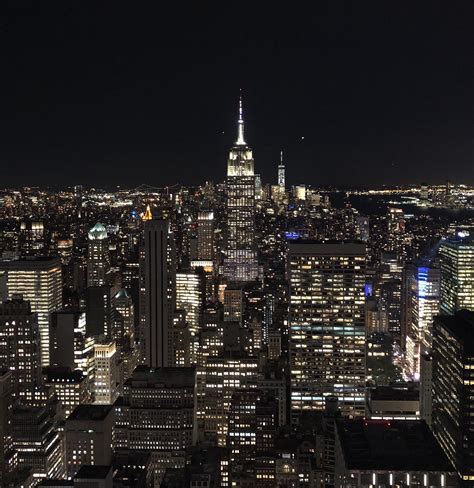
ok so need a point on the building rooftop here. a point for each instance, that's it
(45, 483)
(403, 445)
(98, 232)
(170, 377)
(460, 325)
(326, 247)
(93, 472)
(30, 263)
(402, 392)
(62, 375)
(90, 412)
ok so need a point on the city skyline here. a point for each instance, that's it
(353, 96)
(236, 246)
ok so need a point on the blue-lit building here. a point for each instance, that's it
(423, 296)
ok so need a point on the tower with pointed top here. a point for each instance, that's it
(240, 264)
(147, 215)
(281, 172)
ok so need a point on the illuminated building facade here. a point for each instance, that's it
(98, 258)
(327, 325)
(19, 341)
(233, 305)
(106, 375)
(8, 458)
(159, 271)
(157, 413)
(453, 390)
(88, 435)
(37, 442)
(252, 427)
(424, 296)
(190, 290)
(457, 276)
(39, 281)
(240, 263)
(72, 388)
(281, 173)
(223, 375)
(205, 236)
(123, 319)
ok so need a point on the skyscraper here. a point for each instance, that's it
(157, 413)
(327, 332)
(8, 457)
(39, 281)
(159, 293)
(205, 237)
(98, 259)
(281, 173)
(88, 432)
(457, 275)
(70, 347)
(240, 263)
(106, 375)
(423, 302)
(190, 288)
(453, 389)
(19, 341)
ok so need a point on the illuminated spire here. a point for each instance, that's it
(147, 215)
(281, 172)
(240, 139)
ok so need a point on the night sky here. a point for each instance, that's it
(355, 93)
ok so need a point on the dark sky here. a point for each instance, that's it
(116, 93)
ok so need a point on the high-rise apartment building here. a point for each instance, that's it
(326, 319)
(457, 275)
(453, 390)
(240, 263)
(98, 258)
(159, 271)
(38, 280)
(19, 345)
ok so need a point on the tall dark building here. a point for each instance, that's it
(8, 458)
(99, 310)
(159, 294)
(453, 390)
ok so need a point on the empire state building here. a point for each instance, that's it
(240, 264)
